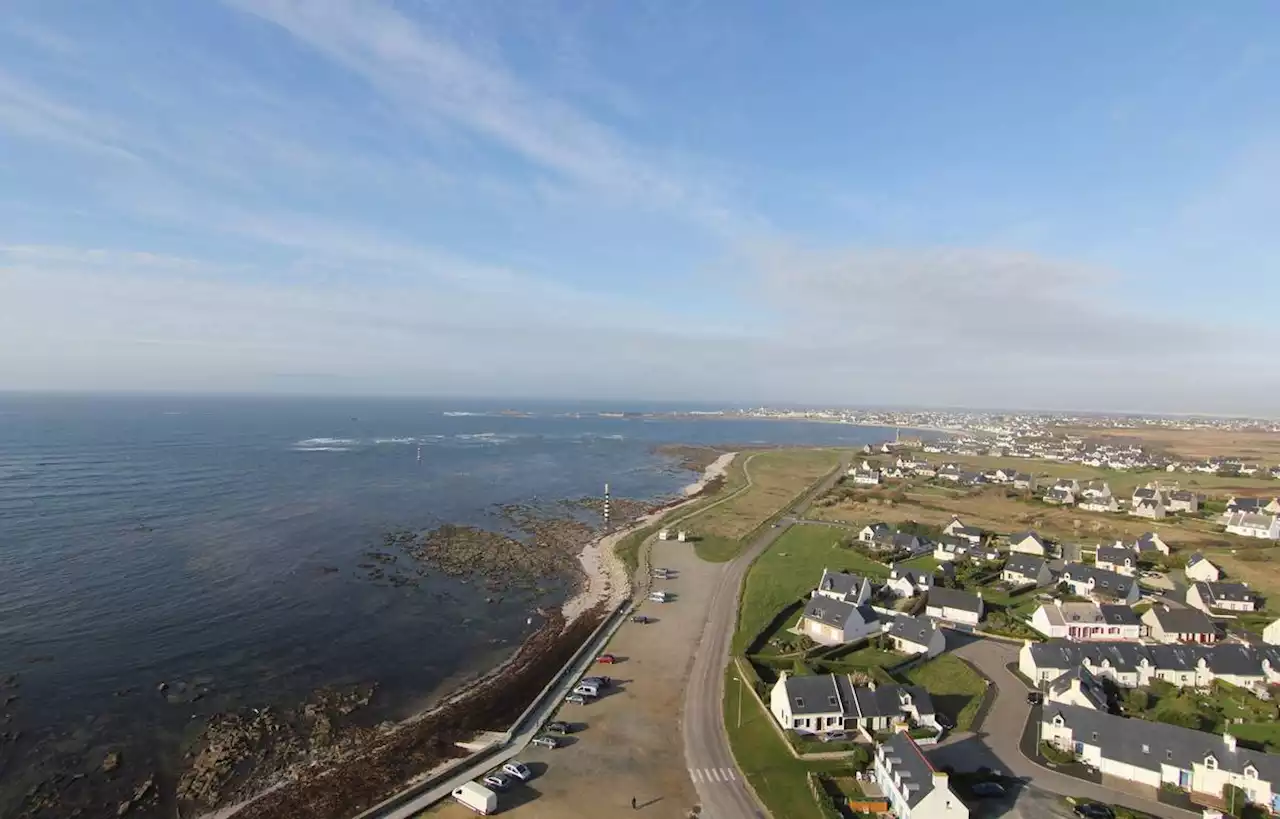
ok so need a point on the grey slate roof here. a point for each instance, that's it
(1024, 564)
(817, 694)
(1225, 592)
(1104, 582)
(1183, 621)
(889, 700)
(1115, 554)
(913, 576)
(1146, 542)
(842, 583)
(1119, 615)
(918, 630)
(1020, 536)
(906, 760)
(954, 599)
(830, 612)
(1089, 685)
(1195, 558)
(1247, 504)
(1148, 745)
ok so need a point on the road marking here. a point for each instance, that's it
(709, 775)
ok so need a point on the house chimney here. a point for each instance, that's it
(1229, 741)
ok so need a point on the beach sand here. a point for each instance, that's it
(607, 579)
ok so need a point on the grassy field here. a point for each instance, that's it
(777, 478)
(956, 689)
(1196, 443)
(923, 562)
(764, 757)
(788, 569)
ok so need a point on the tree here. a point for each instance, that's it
(1137, 701)
(1185, 719)
(1234, 800)
(1064, 588)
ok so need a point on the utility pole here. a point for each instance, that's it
(739, 702)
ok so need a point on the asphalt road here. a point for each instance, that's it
(706, 745)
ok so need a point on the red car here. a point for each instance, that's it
(606, 658)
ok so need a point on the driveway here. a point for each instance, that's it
(997, 746)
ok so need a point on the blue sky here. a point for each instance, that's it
(1034, 205)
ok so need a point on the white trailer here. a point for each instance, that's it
(477, 797)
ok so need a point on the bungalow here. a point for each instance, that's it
(843, 586)
(1100, 584)
(914, 789)
(1221, 596)
(1107, 504)
(1059, 496)
(1157, 753)
(1005, 475)
(820, 703)
(1184, 501)
(831, 622)
(874, 531)
(916, 635)
(866, 477)
(1149, 508)
(1199, 568)
(1024, 480)
(950, 472)
(1150, 543)
(1087, 621)
(908, 582)
(1028, 543)
(1247, 524)
(911, 462)
(1169, 625)
(1271, 634)
(903, 542)
(956, 528)
(1078, 687)
(954, 605)
(1026, 570)
(1096, 490)
(1119, 559)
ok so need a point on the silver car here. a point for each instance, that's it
(518, 769)
(545, 741)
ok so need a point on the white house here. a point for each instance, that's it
(956, 528)
(1184, 501)
(1150, 508)
(874, 531)
(1149, 544)
(1168, 625)
(1087, 621)
(1026, 570)
(1118, 559)
(1257, 506)
(1028, 543)
(1107, 504)
(954, 605)
(1199, 568)
(1100, 584)
(1078, 687)
(906, 582)
(1271, 634)
(1156, 753)
(1059, 496)
(830, 621)
(844, 586)
(1248, 524)
(916, 635)
(914, 789)
(1221, 596)
(866, 477)
(820, 703)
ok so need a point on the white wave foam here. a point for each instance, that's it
(462, 414)
(322, 449)
(328, 442)
(395, 440)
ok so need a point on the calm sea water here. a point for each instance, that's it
(182, 539)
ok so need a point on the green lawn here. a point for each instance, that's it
(788, 569)
(778, 778)
(956, 689)
(923, 562)
(717, 549)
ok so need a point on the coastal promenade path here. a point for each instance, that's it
(706, 744)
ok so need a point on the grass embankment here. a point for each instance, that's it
(778, 478)
(955, 688)
(788, 569)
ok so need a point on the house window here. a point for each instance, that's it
(1146, 749)
(831, 701)
(799, 702)
(1168, 754)
(1211, 763)
(1095, 736)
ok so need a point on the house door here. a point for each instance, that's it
(1184, 780)
(1079, 748)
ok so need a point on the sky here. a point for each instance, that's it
(1003, 204)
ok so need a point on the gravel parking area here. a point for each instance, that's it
(631, 745)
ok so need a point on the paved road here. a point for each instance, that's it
(997, 747)
(706, 745)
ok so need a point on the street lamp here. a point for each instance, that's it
(739, 679)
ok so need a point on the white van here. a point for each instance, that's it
(477, 797)
(587, 689)
(659, 596)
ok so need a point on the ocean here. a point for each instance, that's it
(212, 544)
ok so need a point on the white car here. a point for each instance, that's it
(518, 769)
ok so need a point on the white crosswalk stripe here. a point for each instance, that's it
(709, 775)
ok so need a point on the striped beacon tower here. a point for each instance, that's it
(606, 507)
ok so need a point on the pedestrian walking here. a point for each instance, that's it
(633, 803)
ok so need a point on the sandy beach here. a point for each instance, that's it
(607, 581)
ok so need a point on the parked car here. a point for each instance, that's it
(587, 690)
(640, 618)
(1035, 697)
(576, 699)
(659, 596)
(546, 741)
(497, 782)
(1094, 810)
(518, 769)
(944, 722)
(988, 790)
(607, 659)
(834, 736)
(599, 682)
(559, 727)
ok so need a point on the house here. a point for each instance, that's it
(914, 789)
(1248, 524)
(1157, 753)
(1026, 570)
(1119, 559)
(1024, 480)
(1096, 490)
(1005, 475)
(844, 586)
(904, 582)
(916, 635)
(903, 541)
(866, 477)
(874, 531)
(1028, 543)
(1107, 504)
(1271, 634)
(1078, 687)
(956, 528)
(1150, 508)
(1221, 596)
(1150, 544)
(1087, 621)
(950, 528)
(1169, 625)
(1256, 506)
(1067, 485)
(1095, 583)
(815, 704)
(949, 472)
(831, 622)
(1132, 664)
(954, 605)
(1059, 497)
(1199, 568)
(1184, 501)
